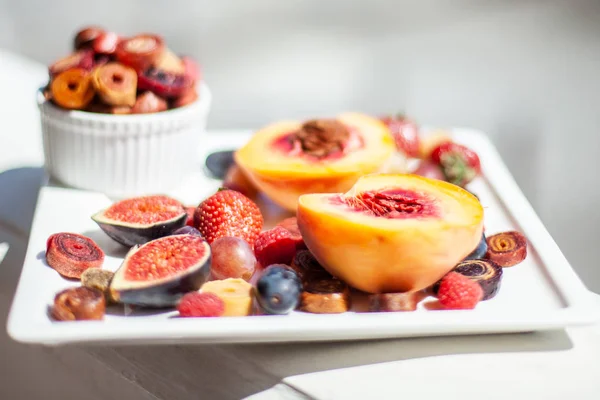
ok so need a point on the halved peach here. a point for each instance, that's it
(278, 163)
(391, 232)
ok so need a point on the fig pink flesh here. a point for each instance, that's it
(145, 210)
(165, 257)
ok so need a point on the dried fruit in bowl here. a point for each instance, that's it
(106, 43)
(169, 62)
(84, 39)
(148, 102)
(141, 51)
(72, 89)
(83, 59)
(115, 84)
(164, 84)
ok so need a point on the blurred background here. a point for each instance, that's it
(527, 72)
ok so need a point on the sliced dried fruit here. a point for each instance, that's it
(72, 89)
(291, 225)
(232, 258)
(507, 248)
(160, 272)
(169, 62)
(148, 102)
(228, 213)
(308, 268)
(83, 59)
(141, 51)
(106, 43)
(236, 293)
(115, 84)
(391, 302)
(163, 83)
(278, 290)
(325, 296)
(196, 304)
(185, 99)
(70, 254)
(78, 304)
(458, 292)
(85, 37)
(275, 246)
(141, 219)
(99, 279)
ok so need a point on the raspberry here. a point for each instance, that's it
(457, 292)
(196, 304)
(276, 246)
(291, 224)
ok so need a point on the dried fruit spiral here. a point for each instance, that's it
(71, 254)
(507, 248)
(72, 89)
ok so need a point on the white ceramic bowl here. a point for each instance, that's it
(123, 155)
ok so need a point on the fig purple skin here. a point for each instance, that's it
(131, 235)
(165, 292)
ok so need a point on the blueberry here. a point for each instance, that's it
(480, 250)
(278, 289)
(187, 230)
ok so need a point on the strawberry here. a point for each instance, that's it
(459, 164)
(190, 218)
(405, 133)
(228, 213)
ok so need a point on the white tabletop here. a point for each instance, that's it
(546, 365)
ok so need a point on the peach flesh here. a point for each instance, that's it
(403, 254)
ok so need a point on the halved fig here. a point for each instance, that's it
(85, 37)
(160, 272)
(115, 84)
(288, 159)
(148, 102)
(164, 84)
(72, 89)
(391, 232)
(141, 219)
(83, 59)
(141, 51)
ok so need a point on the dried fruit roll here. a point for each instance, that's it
(507, 248)
(235, 293)
(77, 304)
(116, 84)
(99, 279)
(72, 89)
(85, 37)
(71, 254)
(485, 272)
(148, 102)
(141, 51)
(308, 268)
(325, 296)
(390, 302)
(165, 84)
(83, 59)
(169, 62)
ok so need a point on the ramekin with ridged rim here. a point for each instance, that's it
(123, 155)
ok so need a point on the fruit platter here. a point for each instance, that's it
(351, 227)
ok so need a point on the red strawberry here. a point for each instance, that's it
(291, 225)
(228, 213)
(405, 133)
(460, 164)
(190, 218)
(275, 246)
(458, 292)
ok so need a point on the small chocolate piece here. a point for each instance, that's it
(390, 302)
(485, 272)
(78, 304)
(325, 296)
(507, 248)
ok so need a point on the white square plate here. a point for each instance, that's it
(541, 293)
